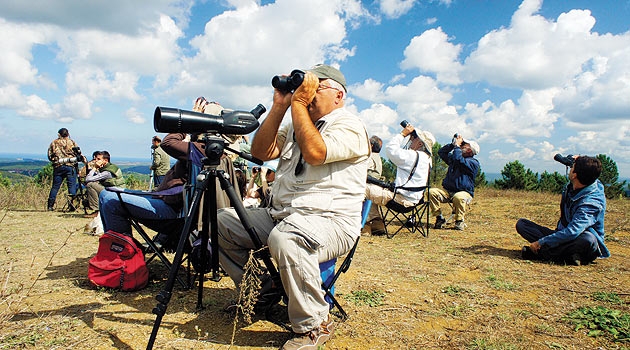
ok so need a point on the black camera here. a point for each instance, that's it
(77, 151)
(288, 83)
(404, 124)
(384, 184)
(568, 160)
(454, 140)
(167, 120)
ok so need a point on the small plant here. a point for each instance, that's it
(363, 297)
(453, 290)
(600, 320)
(611, 298)
(500, 284)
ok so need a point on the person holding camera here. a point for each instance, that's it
(410, 151)
(459, 182)
(578, 238)
(64, 154)
(315, 210)
(104, 174)
(160, 161)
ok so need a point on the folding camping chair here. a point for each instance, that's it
(329, 277)
(152, 250)
(408, 218)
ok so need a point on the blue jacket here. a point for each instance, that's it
(581, 211)
(461, 171)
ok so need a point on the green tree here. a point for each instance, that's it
(132, 181)
(438, 171)
(514, 176)
(480, 179)
(389, 170)
(610, 177)
(4, 181)
(552, 182)
(44, 175)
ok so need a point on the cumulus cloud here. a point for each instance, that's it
(395, 8)
(432, 52)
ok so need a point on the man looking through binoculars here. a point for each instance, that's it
(459, 182)
(315, 210)
(410, 151)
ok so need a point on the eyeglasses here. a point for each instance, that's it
(324, 87)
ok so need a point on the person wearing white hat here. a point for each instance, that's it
(410, 151)
(459, 182)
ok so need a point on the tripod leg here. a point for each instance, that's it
(164, 296)
(247, 225)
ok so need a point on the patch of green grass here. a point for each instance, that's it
(453, 290)
(420, 278)
(19, 341)
(599, 321)
(363, 297)
(608, 297)
(457, 309)
(500, 284)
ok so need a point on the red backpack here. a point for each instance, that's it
(118, 263)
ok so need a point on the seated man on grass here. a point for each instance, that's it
(579, 235)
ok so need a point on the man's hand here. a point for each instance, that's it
(200, 104)
(535, 247)
(407, 130)
(305, 93)
(459, 140)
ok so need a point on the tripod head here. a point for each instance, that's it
(215, 146)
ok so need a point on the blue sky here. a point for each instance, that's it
(525, 79)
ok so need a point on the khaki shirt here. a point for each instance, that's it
(335, 189)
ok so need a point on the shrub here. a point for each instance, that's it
(514, 176)
(552, 182)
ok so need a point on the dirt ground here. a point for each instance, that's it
(455, 289)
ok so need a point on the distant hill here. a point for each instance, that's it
(16, 166)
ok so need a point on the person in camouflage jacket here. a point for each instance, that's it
(64, 154)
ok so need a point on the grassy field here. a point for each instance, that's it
(453, 290)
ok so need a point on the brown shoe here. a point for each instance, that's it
(91, 215)
(366, 230)
(313, 339)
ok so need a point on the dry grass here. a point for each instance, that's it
(459, 290)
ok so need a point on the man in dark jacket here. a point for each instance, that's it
(459, 182)
(579, 235)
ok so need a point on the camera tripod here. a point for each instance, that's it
(206, 188)
(80, 197)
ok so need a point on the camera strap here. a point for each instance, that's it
(413, 171)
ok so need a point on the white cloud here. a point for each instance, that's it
(396, 8)
(120, 16)
(432, 52)
(17, 41)
(297, 42)
(134, 116)
(76, 106)
(377, 120)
